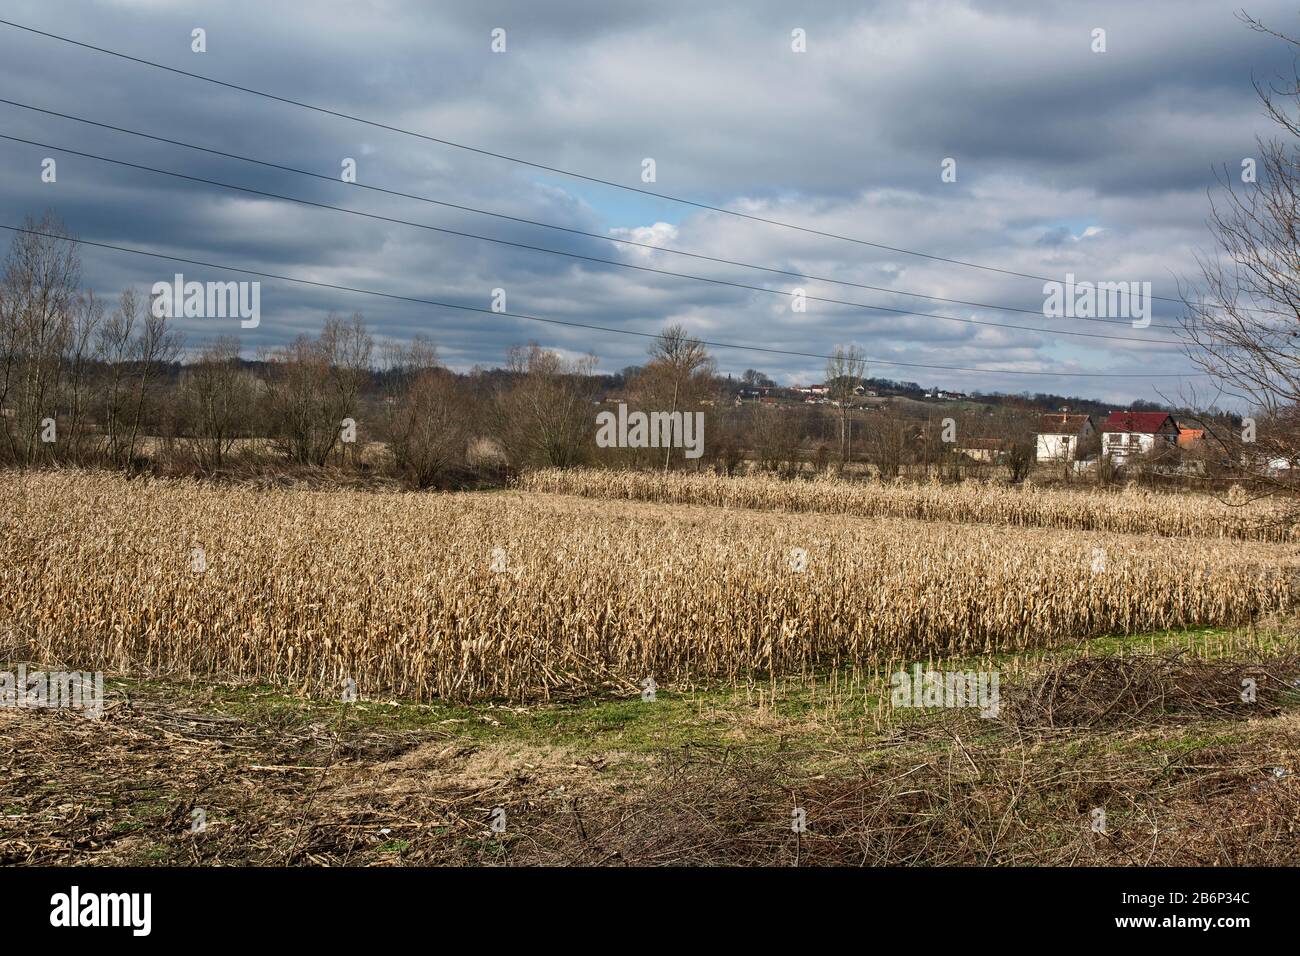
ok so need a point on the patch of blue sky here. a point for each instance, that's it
(620, 208)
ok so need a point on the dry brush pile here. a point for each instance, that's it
(1132, 511)
(1182, 771)
(523, 596)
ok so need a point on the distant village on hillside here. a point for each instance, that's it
(1078, 433)
(1063, 435)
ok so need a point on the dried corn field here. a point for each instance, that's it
(1131, 511)
(527, 595)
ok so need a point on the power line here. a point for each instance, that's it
(547, 225)
(563, 322)
(542, 166)
(572, 255)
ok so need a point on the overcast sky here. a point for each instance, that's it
(1067, 161)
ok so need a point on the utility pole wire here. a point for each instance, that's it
(569, 324)
(542, 166)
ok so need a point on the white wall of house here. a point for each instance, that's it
(1063, 446)
(1057, 447)
(1124, 444)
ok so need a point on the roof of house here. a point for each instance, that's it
(984, 444)
(1146, 423)
(1061, 424)
(1188, 436)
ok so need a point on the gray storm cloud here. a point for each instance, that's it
(1067, 161)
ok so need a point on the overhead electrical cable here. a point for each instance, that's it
(575, 255)
(570, 324)
(547, 225)
(542, 166)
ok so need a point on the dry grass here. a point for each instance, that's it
(1154, 688)
(283, 787)
(397, 591)
(1132, 511)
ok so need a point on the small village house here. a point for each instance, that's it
(1125, 434)
(813, 394)
(1060, 436)
(988, 450)
(1189, 438)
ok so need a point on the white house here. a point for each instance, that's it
(1124, 434)
(812, 391)
(1059, 436)
(985, 449)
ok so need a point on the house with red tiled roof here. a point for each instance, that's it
(1125, 434)
(1059, 436)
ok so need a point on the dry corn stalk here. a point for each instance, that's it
(1131, 511)
(522, 595)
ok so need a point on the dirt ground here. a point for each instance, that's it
(1144, 759)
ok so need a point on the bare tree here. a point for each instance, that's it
(775, 437)
(678, 376)
(88, 315)
(217, 396)
(312, 386)
(37, 293)
(1242, 318)
(347, 348)
(544, 417)
(1020, 457)
(726, 440)
(888, 438)
(299, 422)
(113, 350)
(426, 417)
(845, 370)
(155, 348)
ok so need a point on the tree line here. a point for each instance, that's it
(87, 382)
